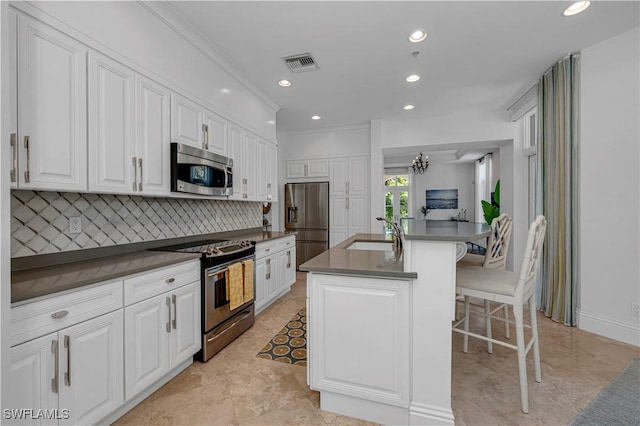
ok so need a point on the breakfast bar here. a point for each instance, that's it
(379, 323)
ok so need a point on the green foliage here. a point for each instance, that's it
(491, 211)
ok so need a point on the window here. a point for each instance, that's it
(396, 196)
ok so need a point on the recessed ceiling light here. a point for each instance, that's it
(316, 117)
(417, 36)
(413, 78)
(225, 91)
(408, 107)
(576, 8)
(271, 122)
(284, 83)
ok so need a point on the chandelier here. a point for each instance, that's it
(420, 164)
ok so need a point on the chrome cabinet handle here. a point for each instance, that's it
(59, 314)
(347, 187)
(168, 301)
(140, 182)
(306, 170)
(67, 375)
(268, 276)
(205, 135)
(347, 202)
(175, 311)
(54, 381)
(134, 164)
(14, 149)
(170, 280)
(288, 258)
(26, 146)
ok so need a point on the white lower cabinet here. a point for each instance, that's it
(275, 270)
(160, 333)
(76, 373)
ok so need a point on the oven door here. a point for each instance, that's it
(216, 306)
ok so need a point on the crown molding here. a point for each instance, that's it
(166, 14)
(327, 129)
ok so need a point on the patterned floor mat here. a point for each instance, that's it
(290, 344)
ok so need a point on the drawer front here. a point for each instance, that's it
(266, 249)
(36, 319)
(148, 284)
(286, 243)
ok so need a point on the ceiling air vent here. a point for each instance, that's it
(301, 62)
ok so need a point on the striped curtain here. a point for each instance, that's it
(558, 139)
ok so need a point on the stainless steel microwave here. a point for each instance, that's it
(196, 171)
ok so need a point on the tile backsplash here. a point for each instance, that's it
(40, 220)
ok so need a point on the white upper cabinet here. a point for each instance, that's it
(152, 136)
(187, 122)
(236, 146)
(349, 176)
(112, 160)
(215, 133)
(194, 125)
(307, 169)
(267, 171)
(52, 98)
(128, 130)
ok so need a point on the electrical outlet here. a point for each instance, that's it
(635, 309)
(75, 225)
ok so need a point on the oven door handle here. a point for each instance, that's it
(213, 274)
(228, 328)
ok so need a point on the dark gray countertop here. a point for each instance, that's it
(49, 277)
(341, 260)
(445, 230)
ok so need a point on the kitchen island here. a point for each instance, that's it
(379, 324)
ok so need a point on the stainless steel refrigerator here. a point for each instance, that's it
(306, 211)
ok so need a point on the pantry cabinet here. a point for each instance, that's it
(349, 198)
(49, 141)
(267, 171)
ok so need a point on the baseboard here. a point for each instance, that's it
(623, 332)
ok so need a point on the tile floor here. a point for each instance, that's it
(235, 387)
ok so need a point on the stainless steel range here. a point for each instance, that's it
(223, 263)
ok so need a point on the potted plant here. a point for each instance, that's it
(491, 210)
(424, 210)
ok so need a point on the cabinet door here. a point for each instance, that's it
(358, 176)
(250, 166)
(338, 220)
(184, 340)
(187, 121)
(272, 172)
(318, 168)
(52, 93)
(146, 351)
(339, 177)
(236, 146)
(358, 215)
(286, 269)
(261, 283)
(263, 169)
(152, 135)
(91, 368)
(296, 169)
(112, 158)
(13, 97)
(31, 373)
(216, 133)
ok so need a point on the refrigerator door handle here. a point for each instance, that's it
(292, 214)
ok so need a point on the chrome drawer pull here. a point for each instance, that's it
(54, 381)
(67, 375)
(168, 300)
(175, 311)
(170, 280)
(14, 149)
(59, 314)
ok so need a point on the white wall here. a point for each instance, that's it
(445, 176)
(136, 34)
(609, 188)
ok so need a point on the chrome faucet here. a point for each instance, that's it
(396, 237)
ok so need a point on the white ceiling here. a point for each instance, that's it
(479, 54)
